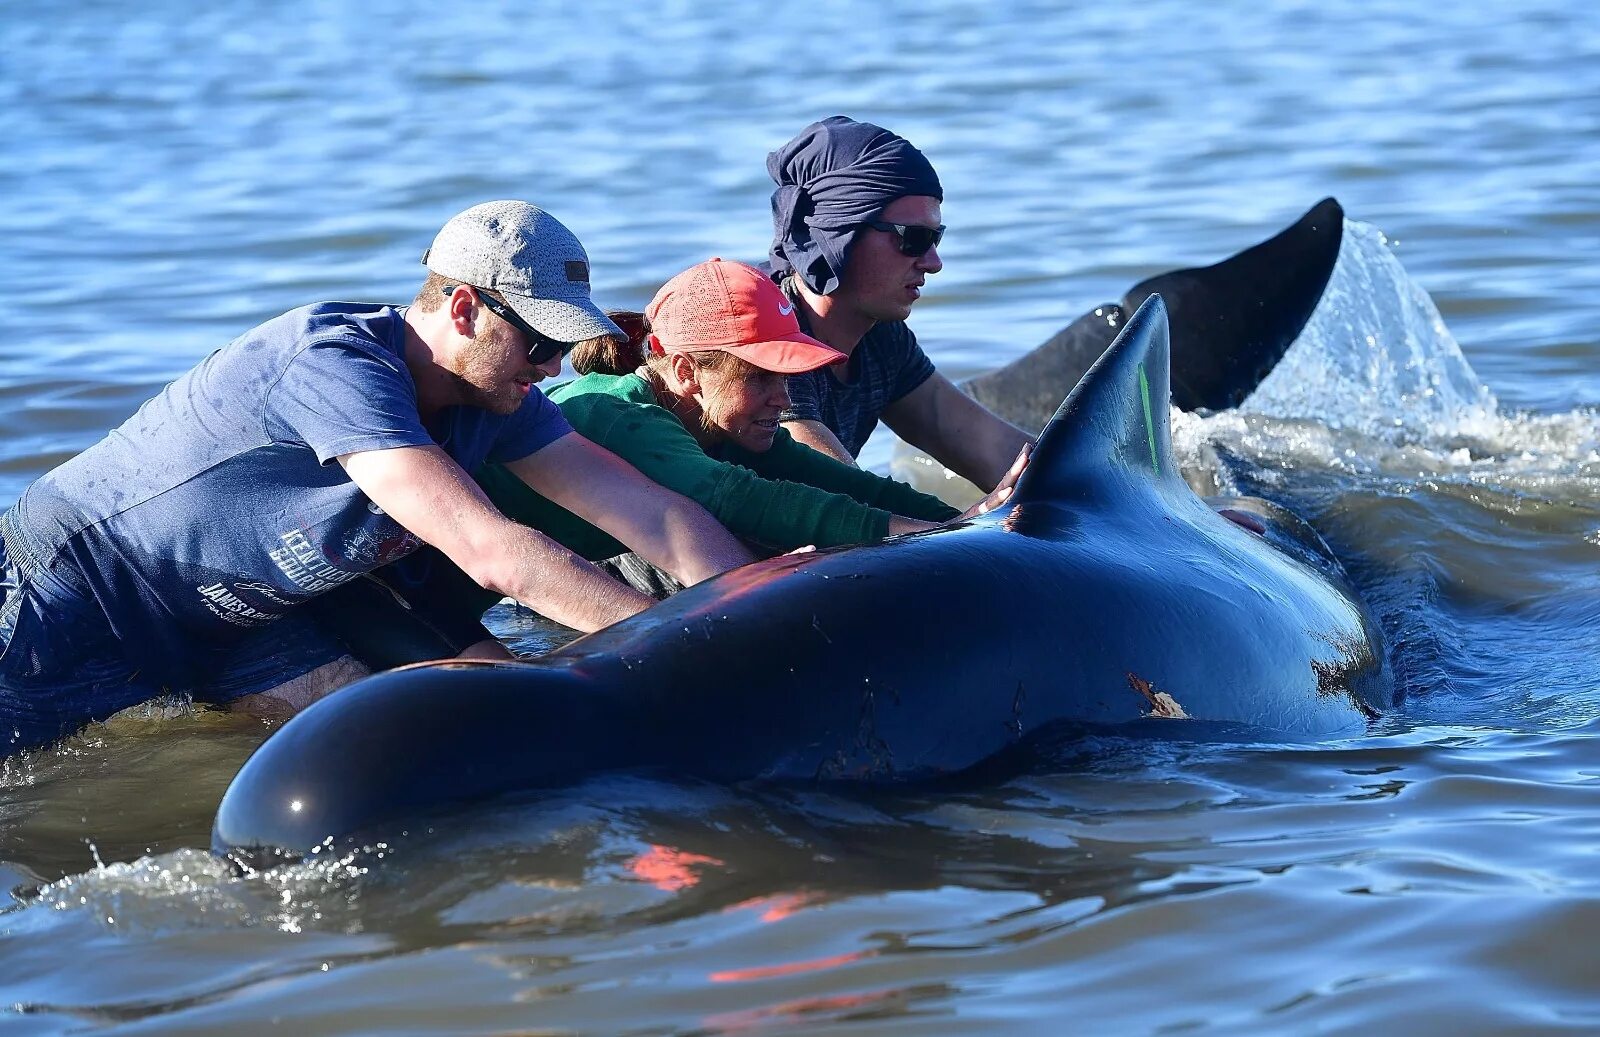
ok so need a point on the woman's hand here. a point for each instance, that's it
(900, 524)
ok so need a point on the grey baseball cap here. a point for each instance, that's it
(529, 257)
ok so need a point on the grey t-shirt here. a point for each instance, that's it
(885, 366)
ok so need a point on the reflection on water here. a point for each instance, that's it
(1086, 889)
(176, 175)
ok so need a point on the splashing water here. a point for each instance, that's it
(1375, 355)
(1376, 386)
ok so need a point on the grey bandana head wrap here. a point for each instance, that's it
(837, 174)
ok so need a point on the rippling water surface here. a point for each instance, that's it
(174, 176)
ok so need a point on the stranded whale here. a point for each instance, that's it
(1103, 592)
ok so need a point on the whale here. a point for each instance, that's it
(1103, 592)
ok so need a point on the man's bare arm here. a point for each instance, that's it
(425, 491)
(818, 436)
(667, 529)
(957, 430)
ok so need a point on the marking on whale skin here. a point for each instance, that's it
(868, 755)
(1149, 425)
(1161, 704)
(1020, 699)
(879, 757)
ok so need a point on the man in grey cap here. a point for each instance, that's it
(209, 544)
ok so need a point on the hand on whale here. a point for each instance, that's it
(1003, 490)
(1103, 592)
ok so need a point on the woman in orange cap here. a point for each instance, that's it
(692, 399)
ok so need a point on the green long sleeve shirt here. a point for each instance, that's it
(783, 498)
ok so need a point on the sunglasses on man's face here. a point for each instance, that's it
(541, 348)
(914, 238)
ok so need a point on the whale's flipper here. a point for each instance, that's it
(1114, 424)
(1231, 322)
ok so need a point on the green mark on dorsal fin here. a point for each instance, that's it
(1149, 425)
(1113, 424)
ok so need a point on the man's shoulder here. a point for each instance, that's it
(331, 348)
(891, 365)
(885, 355)
(889, 337)
(365, 327)
(373, 325)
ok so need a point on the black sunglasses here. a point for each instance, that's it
(541, 348)
(915, 239)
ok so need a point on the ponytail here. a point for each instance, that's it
(609, 354)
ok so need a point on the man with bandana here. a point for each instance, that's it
(856, 229)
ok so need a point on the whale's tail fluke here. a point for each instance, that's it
(1231, 323)
(1234, 320)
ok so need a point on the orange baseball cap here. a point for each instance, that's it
(725, 305)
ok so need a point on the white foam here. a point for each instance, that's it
(1377, 386)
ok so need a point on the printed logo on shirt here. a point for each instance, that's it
(306, 568)
(785, 308)
(266, 590)
(368, 549)
(226, 605)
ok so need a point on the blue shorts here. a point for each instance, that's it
(61, 666)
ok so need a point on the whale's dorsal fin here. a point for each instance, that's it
(1114, 424)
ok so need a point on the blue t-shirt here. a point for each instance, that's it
(220, 504)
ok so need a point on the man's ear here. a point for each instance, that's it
(463, 307)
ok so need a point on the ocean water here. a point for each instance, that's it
(173, 176)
